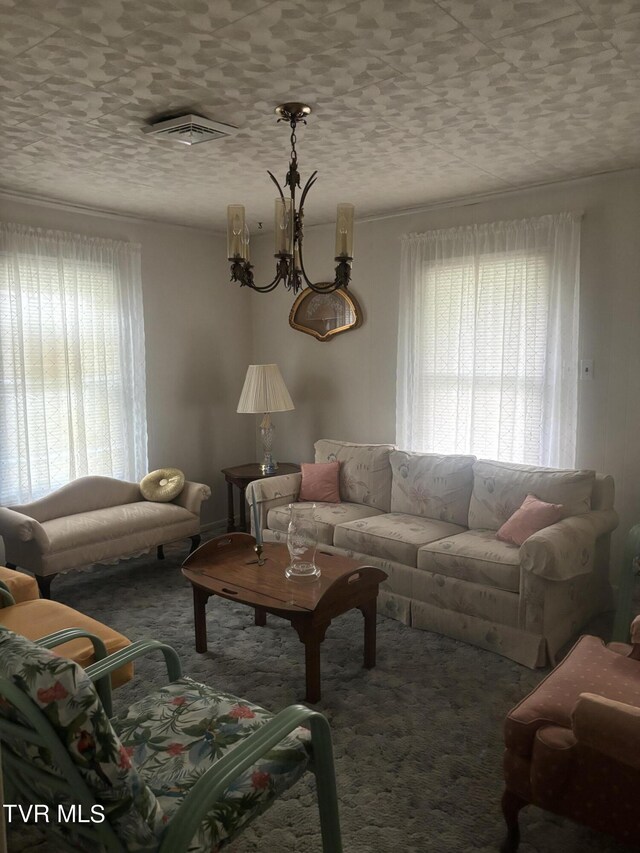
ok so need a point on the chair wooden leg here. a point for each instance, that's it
(44, 584)
(160, 552)
(511, 805)
(326, 785)
(195, 543)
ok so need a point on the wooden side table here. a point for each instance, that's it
(240, 476)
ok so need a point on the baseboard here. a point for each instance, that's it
(215, 528)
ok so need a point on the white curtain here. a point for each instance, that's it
(72, 366)
(488, 341)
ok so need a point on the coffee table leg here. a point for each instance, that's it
(261, 617)
(199, 618)
(312, 667)
(368, 610)
(311, 636)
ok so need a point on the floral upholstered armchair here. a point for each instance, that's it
(184, 769)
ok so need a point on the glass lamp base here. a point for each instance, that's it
(302, 571)
(268, 466)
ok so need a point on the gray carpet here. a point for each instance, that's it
(417, 739)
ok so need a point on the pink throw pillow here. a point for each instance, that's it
(320, 482)
(532, 516)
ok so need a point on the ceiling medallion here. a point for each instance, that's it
(289, 227)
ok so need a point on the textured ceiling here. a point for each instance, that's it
(414, 101)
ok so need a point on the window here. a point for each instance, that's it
(72, 393)
(488, 341)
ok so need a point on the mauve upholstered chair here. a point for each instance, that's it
(573, 744)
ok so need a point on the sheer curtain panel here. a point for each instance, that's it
(488, 340)
(72, 365)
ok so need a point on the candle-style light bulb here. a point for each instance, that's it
(235, 232)
(246, 235)
(344, 231)
(283, 223)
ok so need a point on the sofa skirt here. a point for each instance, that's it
(528, 627)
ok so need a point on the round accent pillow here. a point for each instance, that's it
(162, 485)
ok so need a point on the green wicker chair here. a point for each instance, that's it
(184, 769)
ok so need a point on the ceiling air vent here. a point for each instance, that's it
(190, 130)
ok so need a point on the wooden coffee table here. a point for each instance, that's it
(227, 566)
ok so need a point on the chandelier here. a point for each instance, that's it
(289, 227)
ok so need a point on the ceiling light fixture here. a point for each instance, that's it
(289, 227)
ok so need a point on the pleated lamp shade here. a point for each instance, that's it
(264, 391)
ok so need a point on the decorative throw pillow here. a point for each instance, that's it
(320, 482)
(532, 516)
(162, 485)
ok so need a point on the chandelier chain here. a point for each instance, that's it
(294, 153)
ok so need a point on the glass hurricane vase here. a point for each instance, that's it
(302, 542)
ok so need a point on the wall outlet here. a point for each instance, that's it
(586, 368)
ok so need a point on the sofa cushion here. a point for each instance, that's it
(320, 482)
(499, 488)
(533, 515)
(173, 736)
(326, 516)
(476, 556)
(365, 472)
(101, 525)
(35, 619)
(162, 485)
(392, 536)
(432, 485)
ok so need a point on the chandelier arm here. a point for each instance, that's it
(275, 181)
(242, 271)
(282, 273)
(307, 187)
(267, 288)
(330, 287)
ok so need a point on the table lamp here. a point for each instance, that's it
(264, 392)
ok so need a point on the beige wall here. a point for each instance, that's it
(198, 342)
(202, 331)
(345, 388)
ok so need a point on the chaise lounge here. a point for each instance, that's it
(95, 520)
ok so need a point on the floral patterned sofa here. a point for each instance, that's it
(430, 521)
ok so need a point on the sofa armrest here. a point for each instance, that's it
(271, 492)
(567, 549)
(192, 496)
(15, 525)
(611, 728)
